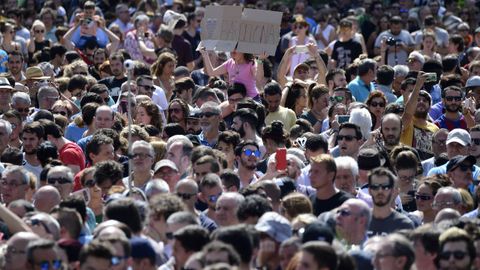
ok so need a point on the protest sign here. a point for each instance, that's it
(225, 28)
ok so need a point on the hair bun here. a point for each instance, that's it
(277, 126)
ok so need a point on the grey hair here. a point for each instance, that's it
(7, 126)
(141, 18)
(144, 144)
(457, 196)
(62, 169)
(187, 145)
(47, 68)
(183, 217)
(212, 106)
(401, 70)
(299, 153)
(154, 185)
(348, 163)
(233, 195)
(21, 97)
(44, 90)
(17, 169)
(362, 117)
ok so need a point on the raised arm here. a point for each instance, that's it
(214, 72)
(14, 223)
(259, 75)
(322, 68)
(283, 67)
(412, 101)
(69, 45)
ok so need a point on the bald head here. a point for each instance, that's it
(46, 198)
(187, 184)
(447, 214)
(18, 242)
(104, 116)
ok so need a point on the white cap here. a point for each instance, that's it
(460, 136)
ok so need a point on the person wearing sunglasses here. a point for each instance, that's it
(424, 195)
(37, 41)
(352, 221)
(376, 103)
(349, 140)
(457, 250)
(247, 156)
(383, 187)
(452, 97)
(43, 254)
(211, 190)
(61, 177)
(210, 123)
(460, 169)
(178, 112)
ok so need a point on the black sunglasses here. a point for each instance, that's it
(185, 196)
(450, 98)
(347, 138)
(465, 167)
(207, 114)
(422, 197)
(377, 104)
(60, 180)
(458, 254)
(380, 186)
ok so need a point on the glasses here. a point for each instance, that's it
(411, 60)
(23, 110)
(423, 197)
(147, 87)
(443, 204)
(46, 265)
(60, 112)
(465, 167)
(249, 153)
(298, 26)
(380, 186)
(214, 198)
(336, 99)
(344, 212)
(185, 196)
(457, 254)
(11, 184)
(347, 138)
(60, 180)
(89, 183)
(377, 104)
(141, 155)
(39, 31)
(451, 98)
(207, 114)
(175, 110)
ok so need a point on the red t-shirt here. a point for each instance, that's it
(72, 154)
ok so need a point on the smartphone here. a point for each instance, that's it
(83, 193)
(281, 159)
(88, 22)
(123, 106)
(301, 49)
(342, 118)
(146, 34)
(431, 77)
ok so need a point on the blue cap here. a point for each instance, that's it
(142, 248)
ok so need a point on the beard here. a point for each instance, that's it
(452, 108)
(31, 152)
(381, 203)
(250, 167)
(193, 132)
(390, 140)
(421, 115)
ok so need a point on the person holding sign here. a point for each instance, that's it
(240, 68)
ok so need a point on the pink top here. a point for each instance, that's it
(242, 74)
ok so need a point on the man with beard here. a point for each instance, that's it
(178, 112)
(245, 122)
(336, 78)
(390, 130)
(417, 131)
(15, 65)
(114, 82)
(383, 187)
(452, 98)
(475, 145)
(32, 137)
(193, 122)
(209, 122)
(273, 96)
(247, 154)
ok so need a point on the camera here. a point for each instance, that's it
(128, 65)
(391, 41)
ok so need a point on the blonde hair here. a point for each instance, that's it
(38, 23)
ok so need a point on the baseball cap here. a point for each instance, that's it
(275, 226)
(369, 158)
(142, 248)
(171, 18)
(195, 113)
(457, 160)
(317, 231)
(301, 66)
(460, 136)
(165, 163)
(474, 81)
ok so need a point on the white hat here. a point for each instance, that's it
(171, 18)
(460, 136)
(5, 84)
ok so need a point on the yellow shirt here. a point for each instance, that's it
(284, 115)
(419, 136)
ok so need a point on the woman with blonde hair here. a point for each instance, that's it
(37, 41)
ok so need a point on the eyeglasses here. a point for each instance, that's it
(249, 153)
(147, 87)
(175, 110)
(207, 114)
(422, 197)
(443, 204)
(60, 180)
(11, 184)
(140, 155)
(23, 110)
(476, 141)
(380, 186)
(451, 98)
(185, 196)
(465, 167)
(377, 104)
(348, 138)
(39, 31)
(411, 60)
(214, 198)
(13, 250)
(457, 254)
(60, 112)
(344, 212)
(46, 265)
(89, 183)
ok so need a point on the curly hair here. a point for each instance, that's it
(154, 112)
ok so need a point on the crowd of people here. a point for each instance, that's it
(125, 144)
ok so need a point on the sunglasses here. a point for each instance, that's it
(380, 186)
(336, 99)
(147, 87)
(457, 254)
(169, 235)
(23, 110)
(39, 31)
(377, 104)
(465, 167)
(249, 153)
(298, 26)
(60, 112)
(207, 114)
(185, 196)
(476, 141)
(46, 265)
(423, 197)
(60, 180)
(214, 198)
(344, 212)
(450, 98)
(348, 138)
